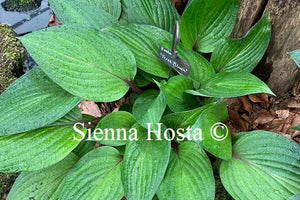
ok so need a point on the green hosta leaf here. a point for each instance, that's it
(189, 175)
(183, 119)
(124, 13)
(144, 42)
(43, 184)
(174, 91)
(151, 77)
(96, 176)
(243, 54)
(81, 13)
(85, 62)
(33, 101)
(84, 147)
(69, 119)
(232, 84)
(111, 6)
(204, 23)
(296, 56)
(216, 136)
(264, 166)
(160, 13)
(36, 149)
(118, 126)
(295, 197)
(141, 81)
(201, 69)
(144, 166)
(297, 128)
(149, 107)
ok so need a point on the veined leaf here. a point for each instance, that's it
(174, 91)
(295, 197)
(160, 13)
(189, 175)
(183, 119)
(43, 184)
(140, 80)
(149, 107)
(204, 23)
(113, 7)
(216, 137)
(232, 84)
(81, 13)
(144, 42)
(297, 128)
(84, 147)
(36, 149)
(264, 165)
(124, 14)
(296, 56)
(97, 175)
(201, 69)
(144, 166)
(69, 119)
(85, 62)
(118, 125)
(33, 101)
(243, 54)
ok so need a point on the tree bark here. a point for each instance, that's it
(277, 68)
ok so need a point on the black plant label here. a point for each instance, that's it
(172, 60)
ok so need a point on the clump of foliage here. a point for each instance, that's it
(107, 49)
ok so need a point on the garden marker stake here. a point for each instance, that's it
(171, 58)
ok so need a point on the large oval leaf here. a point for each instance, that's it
(216, 137)
(144, 166)
(97, 175)
(43, 184)
(243, 54)
(232, 84)
(149, 107)
(111, 6)
(204, 23)
(160, 13)
(33, 101)
(264, 166)
(183, 119)
(189, 175)
(118, 125)
(36, 149)
(176, 98)
(81, 13)
(201, 69)
(85, 62)
(144, 42)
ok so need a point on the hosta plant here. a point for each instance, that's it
(164, 142)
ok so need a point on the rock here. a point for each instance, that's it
(12, 56)
(21, 5)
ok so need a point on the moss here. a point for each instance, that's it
(6, 182)
(21, 5)
(12, 56)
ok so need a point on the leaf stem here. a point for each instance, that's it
(133, 86)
